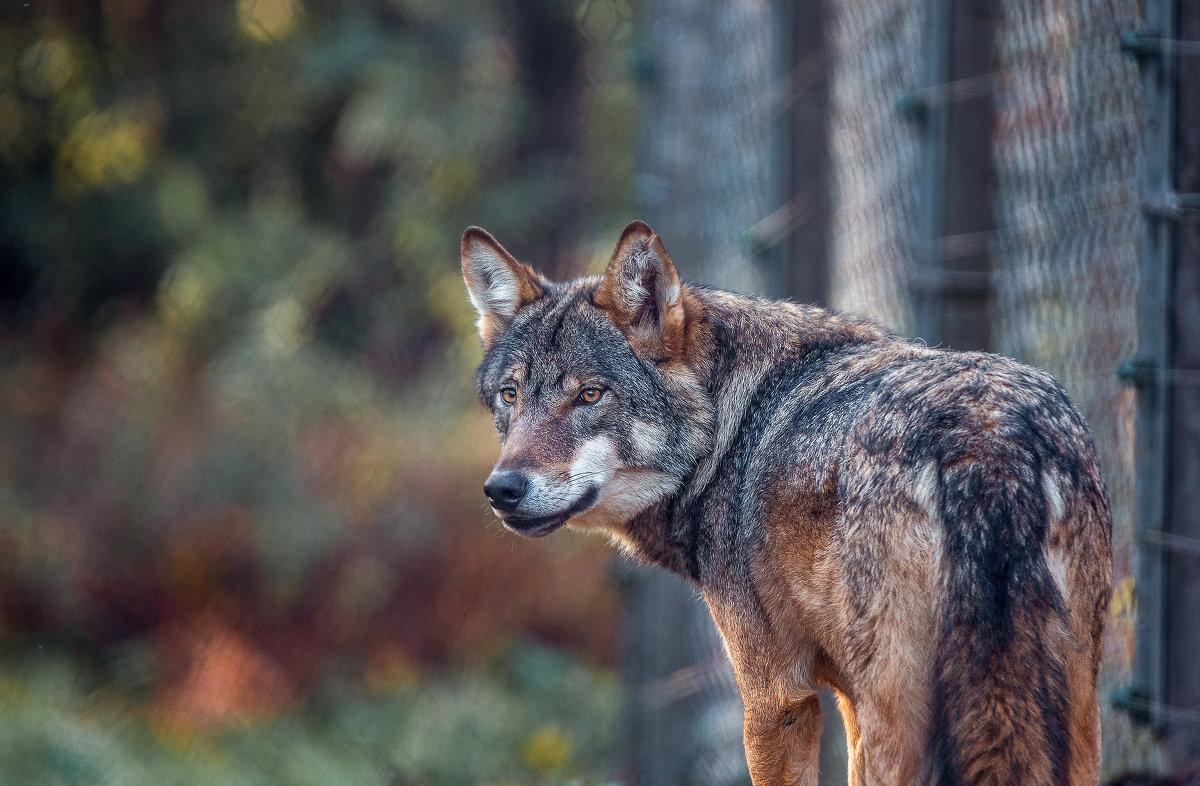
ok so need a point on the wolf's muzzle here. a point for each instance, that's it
(506, 489)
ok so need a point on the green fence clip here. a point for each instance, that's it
(1132, 700)
(1142, 44)
(912, 107)
(1136, 372)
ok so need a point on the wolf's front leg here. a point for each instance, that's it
(782, 744)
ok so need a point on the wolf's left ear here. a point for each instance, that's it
(498, 285)
(642, 293)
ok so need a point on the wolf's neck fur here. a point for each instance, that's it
(737, 345)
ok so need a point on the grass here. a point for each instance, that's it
(533, 716)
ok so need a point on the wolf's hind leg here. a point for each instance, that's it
(782, 744)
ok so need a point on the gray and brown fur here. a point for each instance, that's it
(926, 532)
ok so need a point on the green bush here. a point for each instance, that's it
(239, 450)
(532, 715)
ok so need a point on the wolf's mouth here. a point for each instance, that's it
(540, 526)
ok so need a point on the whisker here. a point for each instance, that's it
(581, 475)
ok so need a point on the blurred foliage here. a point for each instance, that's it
(239, 448)
(503, 724)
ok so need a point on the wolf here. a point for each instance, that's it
(925, 532)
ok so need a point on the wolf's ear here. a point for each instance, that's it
(642, 293)
(498, 285)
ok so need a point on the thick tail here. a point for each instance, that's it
(1000, 702)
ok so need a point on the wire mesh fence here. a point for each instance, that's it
(1067, 156)
(1068, 223)
(874, 157)
(1066, 124)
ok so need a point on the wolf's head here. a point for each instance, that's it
(597, 399)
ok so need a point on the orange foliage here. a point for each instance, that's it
(222, 677)
(135, 530)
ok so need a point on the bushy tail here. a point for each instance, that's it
(1000, 703)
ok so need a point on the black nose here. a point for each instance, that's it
(506, 489)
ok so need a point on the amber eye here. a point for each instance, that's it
(590, 395)
(508, 395)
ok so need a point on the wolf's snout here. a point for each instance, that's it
(505, 490)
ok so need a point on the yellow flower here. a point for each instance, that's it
(269, 20)
(546, 749)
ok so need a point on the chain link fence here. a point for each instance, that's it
(1070, 231)
(874, 157)
(1067, 228)
(1068, 224)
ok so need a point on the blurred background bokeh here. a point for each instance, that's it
(242, 537)
(242, 534)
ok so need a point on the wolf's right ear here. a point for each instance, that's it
(498, 285)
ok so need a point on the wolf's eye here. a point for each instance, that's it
(508, 395)
(590, 395)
